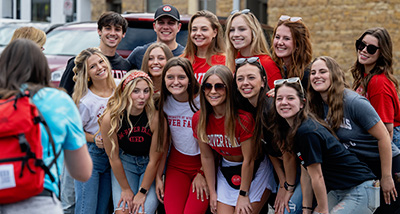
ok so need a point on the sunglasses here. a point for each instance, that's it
(290, 80)
(244, 11)
(218, 87)
(371, 49)
(241, 61)
(291, 19)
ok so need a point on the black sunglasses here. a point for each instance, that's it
(371, 49)
(207, 87)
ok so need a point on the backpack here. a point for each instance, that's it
(22, 169)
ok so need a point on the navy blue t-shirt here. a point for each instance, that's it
(341, 169)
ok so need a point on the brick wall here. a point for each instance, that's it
(336, 24)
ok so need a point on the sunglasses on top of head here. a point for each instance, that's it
(371, 49)
(289, 18)
(242, 61)
(218, 87)
(244, 11)
(290, 80)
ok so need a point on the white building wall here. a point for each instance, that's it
(83, 10)
(57, 11)
(26, 10)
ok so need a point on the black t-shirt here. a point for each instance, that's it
(119, 65)
(138, 142)
(341, 169)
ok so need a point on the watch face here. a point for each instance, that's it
(142, 190)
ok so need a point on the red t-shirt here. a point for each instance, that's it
(200, 66)
(273, 72)
(216, 132)
(382, 95)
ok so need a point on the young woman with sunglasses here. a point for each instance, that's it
(373, 77)
(291, 49)
(154, 60)
(129, 127)
(94, 85)
(218, 126)
(251, 83)
(205, 46)
(355, 122)
(245, 38)
(185, 189)
(339, 181)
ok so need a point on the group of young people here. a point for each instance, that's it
(224, 124)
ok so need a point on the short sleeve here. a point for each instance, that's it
(359, 108)
(245, 127)
(84, 111)
(195, 121)
(310, 148)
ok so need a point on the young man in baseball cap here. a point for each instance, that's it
(166, 25)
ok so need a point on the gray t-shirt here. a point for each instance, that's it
(359, 117)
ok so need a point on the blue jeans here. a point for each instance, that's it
(93, 195)
(361, 199)
(396, 136)
(135, 167)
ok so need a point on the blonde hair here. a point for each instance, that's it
(217, 45)
(226, 77)
(258, 46)
(31, 33)
(120, 106)
(81, 77)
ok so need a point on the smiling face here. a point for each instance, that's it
(97, 68)
(202, 32)
(166, 29)
(365, 58)
(283, 42)
(287, 103)
(111, 35)
(216, 98)
(157, 61)
(177, 83)
(320, 77)
(240, 35)
(249, 82)
(140, 95)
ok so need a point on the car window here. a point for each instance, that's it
(70, 42)
(6, 33)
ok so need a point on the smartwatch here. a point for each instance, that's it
(243, 193)
(143, 190)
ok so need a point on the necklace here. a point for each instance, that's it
(141, 114)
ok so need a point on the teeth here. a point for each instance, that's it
(167, 33)
(156, 68)
(247, 89)
(101, 73)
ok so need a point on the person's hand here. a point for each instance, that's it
(199, 185)
(213, 202)
(388, 189)
(271, 93)
(138, 201)
(160, 188)
(99, 142)
(243, 205)
(282, 200)
(126, 200)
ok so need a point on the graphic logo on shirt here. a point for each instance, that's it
(118, 74)
(300, 157)
(180, 121)
(136, 129)
(348, 144)
(346, 124)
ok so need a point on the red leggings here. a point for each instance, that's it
(178, 195)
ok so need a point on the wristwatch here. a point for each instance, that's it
(143, 190)
(243, 193)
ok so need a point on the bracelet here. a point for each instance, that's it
(307, 208)
(94, 138)
(289, 187)
(201, 172)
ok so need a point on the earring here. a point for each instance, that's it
(88, 79)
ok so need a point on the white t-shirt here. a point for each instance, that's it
(91, 107)
(180, 124)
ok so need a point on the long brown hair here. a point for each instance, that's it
(33, 70)
(217, 45)
(384, 64)
(302, 52)
(335, 94)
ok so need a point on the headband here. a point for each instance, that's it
(133, 75)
